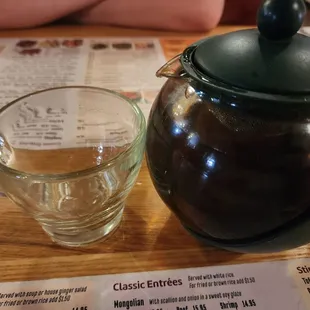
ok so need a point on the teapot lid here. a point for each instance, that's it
(272, 59)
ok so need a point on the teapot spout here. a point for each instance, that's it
(172, 68)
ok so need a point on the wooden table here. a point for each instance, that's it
(150, 237)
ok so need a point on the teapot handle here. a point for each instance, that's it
(172, 69)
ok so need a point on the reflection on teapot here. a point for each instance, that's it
(228, 140)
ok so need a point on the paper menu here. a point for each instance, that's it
(281, 285)
(125, 65)
(121, 64)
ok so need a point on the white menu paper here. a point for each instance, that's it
(277, 285)
(127, 65)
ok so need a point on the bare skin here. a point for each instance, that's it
(178, 15)
(158, 14)
(31, 13)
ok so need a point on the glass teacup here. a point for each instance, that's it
(69, 156)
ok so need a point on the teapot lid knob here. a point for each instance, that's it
(280, 19)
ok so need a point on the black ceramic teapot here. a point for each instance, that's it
(228, 140)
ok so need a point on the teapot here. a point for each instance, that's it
(228, 136)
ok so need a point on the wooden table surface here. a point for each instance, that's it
(149, 238)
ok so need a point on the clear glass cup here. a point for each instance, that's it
(69, 156)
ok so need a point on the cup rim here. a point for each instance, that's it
(80, 173)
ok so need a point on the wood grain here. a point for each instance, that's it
(149, 238)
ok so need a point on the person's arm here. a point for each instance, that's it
(179, 15)
(30, 13)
